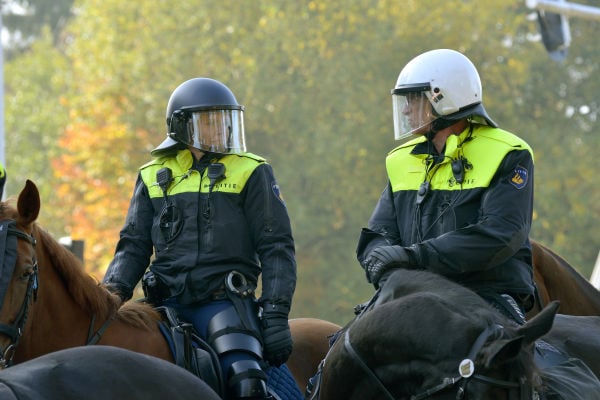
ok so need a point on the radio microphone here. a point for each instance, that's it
(422, 192)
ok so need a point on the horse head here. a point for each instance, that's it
(18, 268)
(70, 307)
(498, 365)
(429, 338)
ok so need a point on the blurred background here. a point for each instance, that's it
(86, 85)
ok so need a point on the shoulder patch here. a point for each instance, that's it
(277, 192)
(519, 177)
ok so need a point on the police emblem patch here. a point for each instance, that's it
(519, 177)
(277, 192)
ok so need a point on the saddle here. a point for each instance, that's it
(190, 351)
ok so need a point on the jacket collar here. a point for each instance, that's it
(425, 149)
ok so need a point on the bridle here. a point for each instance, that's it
(15, 330)
(519, 389)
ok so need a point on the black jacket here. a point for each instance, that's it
(200, 230)
(475, 232)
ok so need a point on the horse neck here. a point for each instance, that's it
(56, 321)
(590, 294)
(565, 283)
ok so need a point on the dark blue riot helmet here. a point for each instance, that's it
(203, 113)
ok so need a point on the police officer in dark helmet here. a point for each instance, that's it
(213, 216)
(459, 197)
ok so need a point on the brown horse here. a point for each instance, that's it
(311, 343)
(98, 373)
(71, 309)
(22, 285)
(556, 279)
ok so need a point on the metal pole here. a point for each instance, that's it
(565, 8)
(595, 278)
(2, 146)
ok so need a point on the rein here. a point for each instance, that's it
(15, 330)
(356, 357)
(94, 337)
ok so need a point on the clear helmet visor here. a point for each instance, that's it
(413, 114)
(217, 131)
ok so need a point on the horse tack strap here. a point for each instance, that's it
(8, 259)
(494, 331)
(8, 254)
(94, 338)
(467, 371)
(365, 367)
(447, 382)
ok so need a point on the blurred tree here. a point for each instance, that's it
(560, 113)
(24, 21)
(35, 117)
(315, 79)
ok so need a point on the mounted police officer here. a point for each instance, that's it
(215, 220)
(459, 197)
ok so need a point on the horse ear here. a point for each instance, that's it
(28, 203)
(501, 351)
(539, 325)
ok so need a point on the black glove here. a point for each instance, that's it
(384, 258)
(277, 338)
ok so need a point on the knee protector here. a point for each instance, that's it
(226, 333)
(247, 380)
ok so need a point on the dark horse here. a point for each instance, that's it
(99, 373)
(427, 337)
(555, 279)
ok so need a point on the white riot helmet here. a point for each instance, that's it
(433, 91)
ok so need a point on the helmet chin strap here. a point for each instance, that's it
(437, 125)
(435, 128)
(441, 124)
(430, 135)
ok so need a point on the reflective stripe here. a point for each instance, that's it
(485, 151)
(238, 169)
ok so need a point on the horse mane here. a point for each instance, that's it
(86, 291)
(7, 211)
